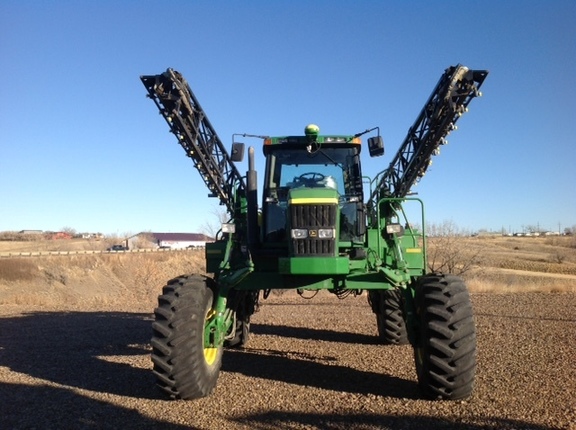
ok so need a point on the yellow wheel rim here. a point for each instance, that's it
(210, 353)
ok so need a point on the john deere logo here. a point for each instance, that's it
(313, 233)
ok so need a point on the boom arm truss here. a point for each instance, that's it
(189, 123)
(448, 101)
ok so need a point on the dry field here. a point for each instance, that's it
(41, 245)
(514, 264)
(499, 264)
(75, 352)
(109, 278)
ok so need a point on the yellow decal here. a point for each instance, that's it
(313, 200)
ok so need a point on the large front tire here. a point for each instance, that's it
(183, 366)
(445, 353)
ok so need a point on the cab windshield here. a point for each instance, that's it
(288, 168)
(335, 167)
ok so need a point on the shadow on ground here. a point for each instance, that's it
(344, 421)
(43, 407)
(70, 348)
(314, 334)
(315, 369)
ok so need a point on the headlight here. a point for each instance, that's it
(228, 228)
(325, 233)
(395, 229)
(299, 233)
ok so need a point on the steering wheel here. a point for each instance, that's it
(310, 177)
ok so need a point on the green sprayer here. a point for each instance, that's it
(319, 224)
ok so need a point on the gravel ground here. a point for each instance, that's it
(311, 364)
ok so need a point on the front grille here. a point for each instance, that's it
(312, 217)
(307, 247)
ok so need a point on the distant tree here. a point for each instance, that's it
(11, 235)
(534, 228)
(212, 226)
(115, 239)
(447, 251)
(71, 231)
(571, 231)
(447, 228)
(144, 240)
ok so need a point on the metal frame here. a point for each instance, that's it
(448, 101)
(181, 110)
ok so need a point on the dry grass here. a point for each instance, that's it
(101, 279)
(500, 265)
(516, 264)
(45, 245)
(511, 281)
(17, 269)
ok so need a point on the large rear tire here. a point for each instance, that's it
(183, 366)
(245, 304)
(241, 334)
(445, 353)
(387, 305)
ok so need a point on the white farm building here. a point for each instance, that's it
(168, 240)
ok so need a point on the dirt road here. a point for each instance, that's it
(311, 364)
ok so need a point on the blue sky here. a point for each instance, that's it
(82, 147)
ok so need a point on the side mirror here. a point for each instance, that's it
(376, 146)
(237, 152)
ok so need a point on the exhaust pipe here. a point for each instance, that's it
(252, 200)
